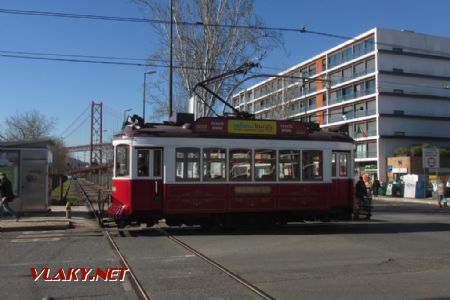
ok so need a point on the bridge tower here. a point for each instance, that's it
(96, 133)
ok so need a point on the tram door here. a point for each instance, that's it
(150, 177)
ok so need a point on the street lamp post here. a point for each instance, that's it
(145, 87)
(125, 112)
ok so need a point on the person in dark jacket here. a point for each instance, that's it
(361, 190)
(6, 195)
(375, 186)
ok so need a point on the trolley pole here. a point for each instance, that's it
(171, 59)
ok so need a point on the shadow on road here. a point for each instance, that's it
(361, 227)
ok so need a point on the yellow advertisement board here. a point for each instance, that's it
(252, 127)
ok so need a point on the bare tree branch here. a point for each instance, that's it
(211, 49)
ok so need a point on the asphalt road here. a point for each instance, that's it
(402, 253)
(20, 251)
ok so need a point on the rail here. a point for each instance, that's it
(135, 283)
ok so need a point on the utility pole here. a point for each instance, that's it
(170, 59)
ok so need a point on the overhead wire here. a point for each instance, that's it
(301, 29)
(74, 121)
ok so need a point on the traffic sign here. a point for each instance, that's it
(430, 158)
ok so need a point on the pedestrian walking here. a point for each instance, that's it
(361, 191)
(440, 191)
(6, 195)
(375, 185)
(447, 192)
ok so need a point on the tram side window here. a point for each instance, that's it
(240, 165)
(122, 160)
(312, 165)
(265, 165)
(333, 164)
(343, 164)
(143, 162)
(188, 164)
(214, 164)
(289, 165)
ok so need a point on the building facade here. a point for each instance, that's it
(391, 88)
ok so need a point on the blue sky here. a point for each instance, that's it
(62, 90)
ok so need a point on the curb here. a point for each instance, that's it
(37, 227)
(406, 200)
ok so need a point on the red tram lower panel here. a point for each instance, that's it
(141, 197)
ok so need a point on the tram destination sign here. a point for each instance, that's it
(223, 126)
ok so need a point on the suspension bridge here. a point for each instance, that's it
(90, 136)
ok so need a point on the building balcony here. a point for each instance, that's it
(336, 81)
(352, 96)
(367, 154)
(347, 116)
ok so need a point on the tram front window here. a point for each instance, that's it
(312, 165)
(122, 160)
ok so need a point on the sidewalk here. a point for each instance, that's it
(53, 220)
(426, 201)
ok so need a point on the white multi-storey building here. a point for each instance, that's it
(391, 88)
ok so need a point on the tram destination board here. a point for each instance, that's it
(223, 126)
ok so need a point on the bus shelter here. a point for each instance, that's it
(26, 165)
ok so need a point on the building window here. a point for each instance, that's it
(372, 128)
(143, 162)
(361, 151)
(370, 86)
(324, 64)
(312, 165)
(122, 160)
(214, 164)
(240, 165)
(359, 69)
(370, 66)
(312, 70)
(188, 164)
(289, 165)
(311, 103)
(371, 150)
(347, 74)
(265, 165)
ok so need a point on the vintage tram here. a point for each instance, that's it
(219, 171)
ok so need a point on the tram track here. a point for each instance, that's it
(135, 283)
(139, 289)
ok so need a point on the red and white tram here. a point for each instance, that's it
(220, 170)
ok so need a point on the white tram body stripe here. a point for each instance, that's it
(169, 144)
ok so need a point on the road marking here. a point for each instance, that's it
(35, 240)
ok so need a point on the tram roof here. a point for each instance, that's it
(222, 128)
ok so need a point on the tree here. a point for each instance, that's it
(27, 126)
(32, 125)
(202, 51)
